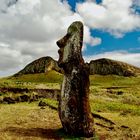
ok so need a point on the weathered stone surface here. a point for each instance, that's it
(8, 100)
(106, 66)
(41, 65)
(24, 98)
(74, 108)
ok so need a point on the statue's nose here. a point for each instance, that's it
(59, 44)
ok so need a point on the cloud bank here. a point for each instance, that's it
(114, 16)
(29, 29)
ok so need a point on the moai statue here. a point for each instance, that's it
(74, 108)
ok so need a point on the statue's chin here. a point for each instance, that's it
(60, 63)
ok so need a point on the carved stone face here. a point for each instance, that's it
(70, 45)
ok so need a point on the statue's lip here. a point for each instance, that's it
(59, 51)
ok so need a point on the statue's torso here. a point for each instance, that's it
(74, 104)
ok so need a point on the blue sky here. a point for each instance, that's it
(29, 30)
(130, 42)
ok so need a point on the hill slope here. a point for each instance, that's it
(107, 66)
(41, 65)
(100, 66)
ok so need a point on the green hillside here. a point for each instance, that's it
(48, 77)
(116, 98)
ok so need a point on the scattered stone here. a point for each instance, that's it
(8, 100)
(24, 98)
(120, 92)
(41, 103)
(33, 98)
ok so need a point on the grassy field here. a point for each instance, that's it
(114, 97)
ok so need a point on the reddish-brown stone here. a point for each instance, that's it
(74, 108)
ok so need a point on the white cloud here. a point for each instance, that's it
(10, 58)
(4, 44)
(95, 41)
(114, 16)
(130, 58)
(5, 3)
(88, 39)
(31, 29)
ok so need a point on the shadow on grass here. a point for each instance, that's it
(34, 132)
(43, 133)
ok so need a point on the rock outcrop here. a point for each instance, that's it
(41, 65)
(74, 108)
(106, 66)
(101, 66)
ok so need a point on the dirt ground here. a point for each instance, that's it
(26, 121)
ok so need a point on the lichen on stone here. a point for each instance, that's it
(74, 108)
